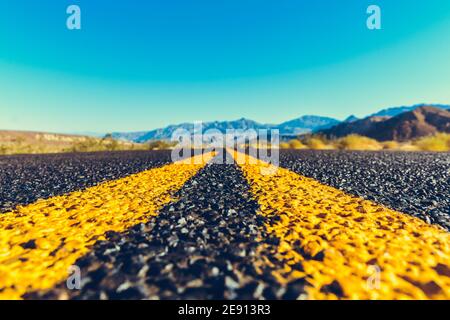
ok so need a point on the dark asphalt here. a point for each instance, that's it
(410, 182)
(210, 243)
(27, 178)
(207, 245)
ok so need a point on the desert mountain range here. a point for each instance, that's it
(420, 122)
(399, 123)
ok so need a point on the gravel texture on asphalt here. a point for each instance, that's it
(210, 244)
(39, 242)
(410, 182)
(27, 178)
(349, 247)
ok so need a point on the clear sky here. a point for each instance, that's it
(138, 65)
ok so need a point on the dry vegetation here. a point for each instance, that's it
(33, 143)
(160, 145)
(105, 144)
(439, 142)
(16, 142)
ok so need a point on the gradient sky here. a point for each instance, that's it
(138, 65)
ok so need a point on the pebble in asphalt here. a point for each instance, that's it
(416, 183)
(27, 178)
(206, 245)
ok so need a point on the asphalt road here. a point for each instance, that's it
(27, 178)
(206, 245)
(416, 183)
(212, 231)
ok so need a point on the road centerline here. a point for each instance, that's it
(205, 245)
(346, 246)
(40, 241)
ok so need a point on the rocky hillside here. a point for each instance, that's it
(420, 122)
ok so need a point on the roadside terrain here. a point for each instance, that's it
(28, 142)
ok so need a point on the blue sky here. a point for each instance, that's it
(138, 65)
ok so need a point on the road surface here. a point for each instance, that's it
(325, 225)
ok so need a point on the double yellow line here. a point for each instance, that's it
(341, 246)
(39, 242)
(346, 246)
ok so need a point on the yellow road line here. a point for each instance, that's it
(61, 229)
(347, 244)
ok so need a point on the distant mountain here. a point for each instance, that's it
(166, 133)
(395, 111)
(419, 122)
(361, 127)
(351, 118)
(306, 124)
(367, 126)
(297, 126)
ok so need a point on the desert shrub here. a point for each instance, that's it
(408, 146)
(317, 143)
(390, 145)
(19, 140)
(437, 142)
(160, 145)
(3, 149)
(296, 144)
(88, 145)
(105, 144)
(357, 142)
(112, 145)
(93, 144)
